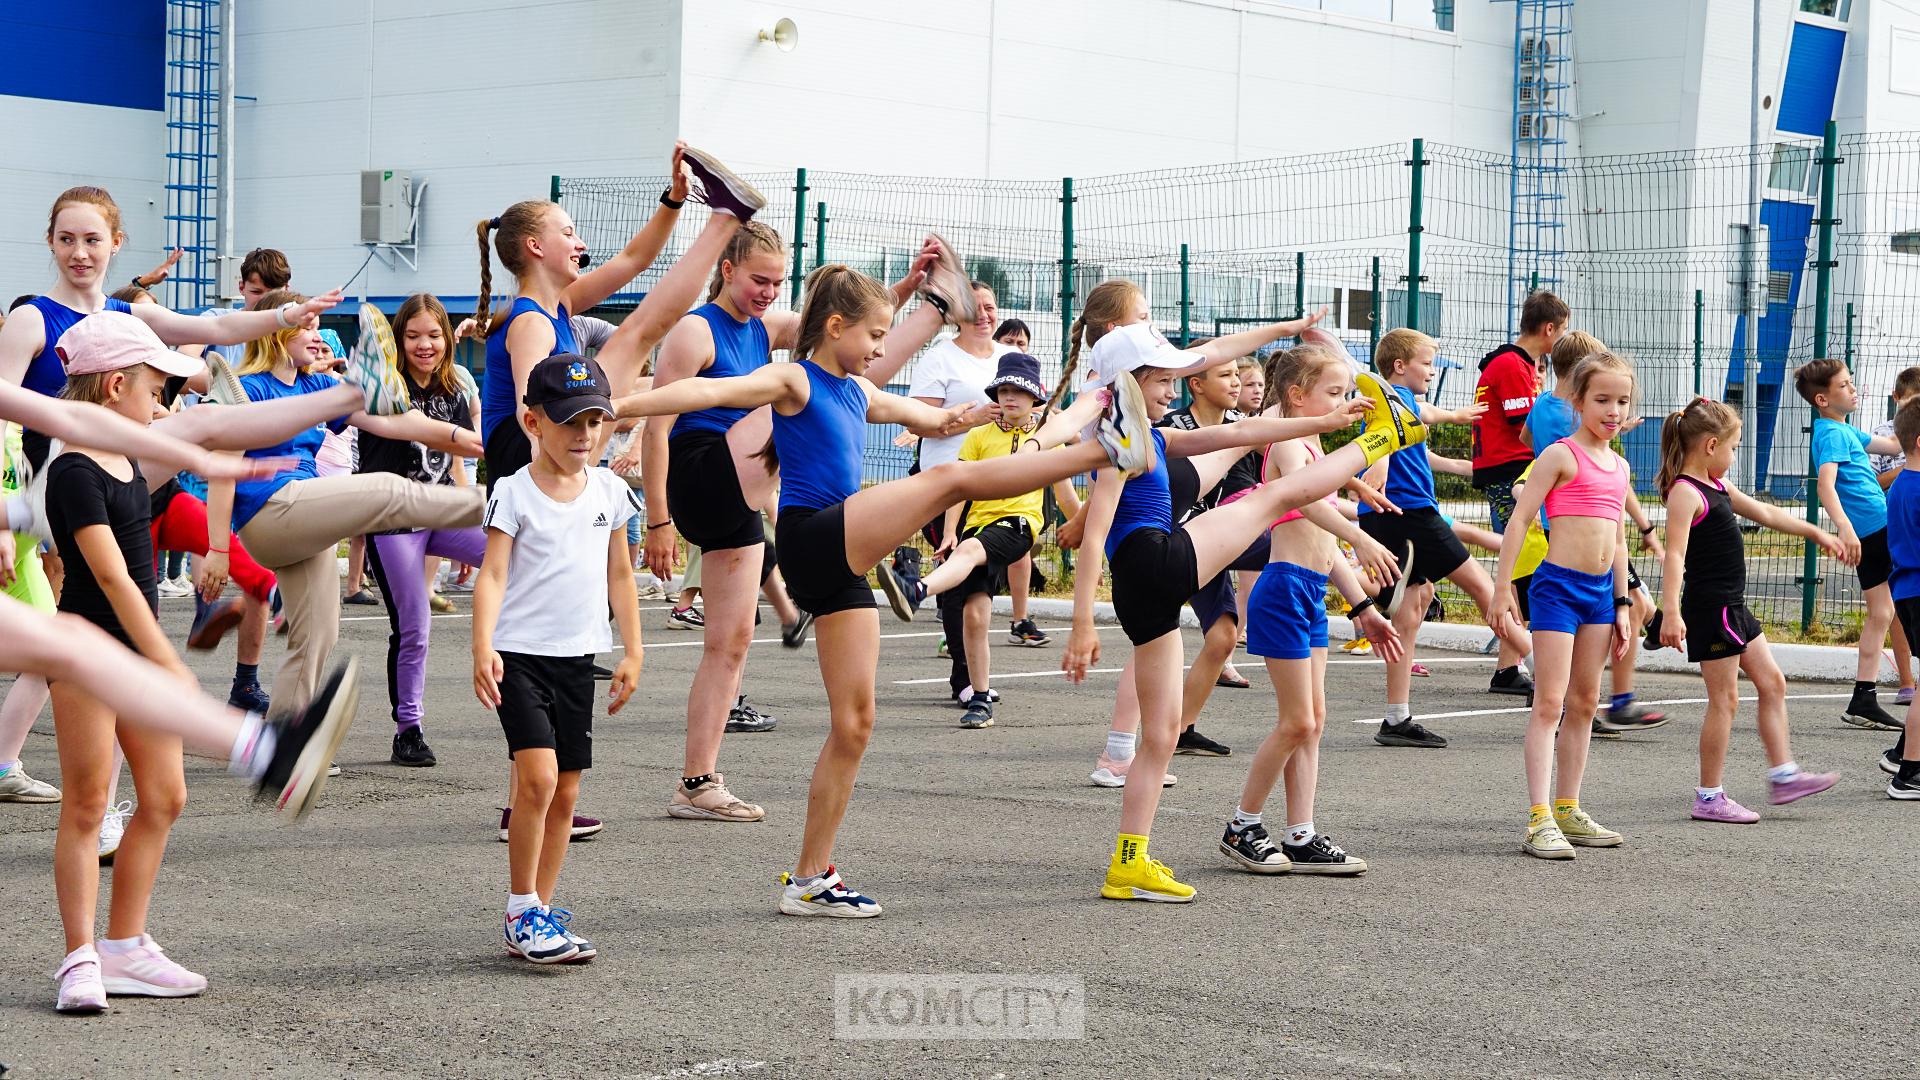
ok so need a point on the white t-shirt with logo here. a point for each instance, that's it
(954, 377)
(556, 598)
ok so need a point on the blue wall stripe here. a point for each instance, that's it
(1813, 77)
(94, 52)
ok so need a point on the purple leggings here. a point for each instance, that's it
(398, 561)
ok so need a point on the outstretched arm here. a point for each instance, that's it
(1777, 519)
(924, 420)
(615, 272)
(262, 423)
(912, 333)
(1260, 429)
(773, 384)
(1235, 346)
(241, 326)
(80, 424)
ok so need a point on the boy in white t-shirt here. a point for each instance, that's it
(556, 556)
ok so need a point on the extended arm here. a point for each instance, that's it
(80, 424)
(241, 326)
(1777, 519)
(1259, 429)
(924, 420)
(770, 385)
(1235, 346)
(416, 426)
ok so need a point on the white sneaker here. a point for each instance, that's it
(81, 990)
(174, 589)
(17, 786)
(112, 827)
(1111, 773)
(533, 935)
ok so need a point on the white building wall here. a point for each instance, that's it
(55, 145)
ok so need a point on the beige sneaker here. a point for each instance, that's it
(1579, 828)
(1546, 842)
(711, 801)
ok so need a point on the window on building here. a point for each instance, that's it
(1907, 242)
(1832, 9)
(1793, 169)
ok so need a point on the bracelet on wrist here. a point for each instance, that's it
(1363, 605)
(1648, 531)
(280, 315)
(667, 200)
(1622, 602)
(216, 551)
(137, 283)
(661, 525)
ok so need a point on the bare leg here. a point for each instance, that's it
(86, 753)
(1473, 580)
(18, 712)
(849, 646)
(356, 565)
(1902, 655)
(731, 580)
(1157, 681)
(1406, 622)
(1873, 631)
(977, 613)
(965, 558)
(254, 618)
(1215, 650)
(559, 825)
(1553, 666)
(1303, 768)
(1716, 730)
(160, 782)
(1583, 691)
(1770, 685)
(536, 779)
(1019, 583)
(1293, 726)
(677, 292)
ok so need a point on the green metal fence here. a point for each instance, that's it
(1657, 262)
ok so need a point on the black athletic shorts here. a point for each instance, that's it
(703, 493)
(507, 451)
(1154, 572)
(1876, 563)
(1908, 612)
(1523, 592)
(1436, 551)
(546, 703)
(1006, 540)
(1717, 631)
(812, 547)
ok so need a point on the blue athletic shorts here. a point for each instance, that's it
(1287, 612)
(1564, 600)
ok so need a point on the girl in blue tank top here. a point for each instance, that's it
(1157, 565)
(833, 530)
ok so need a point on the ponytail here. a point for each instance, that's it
(511, 231)
(1109, 304)
(483, 304)
(1685, 429)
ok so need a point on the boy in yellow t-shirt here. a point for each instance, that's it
(997, 532)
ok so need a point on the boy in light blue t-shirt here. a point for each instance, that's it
(1850, 494)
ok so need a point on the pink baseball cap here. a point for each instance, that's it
(114, 340)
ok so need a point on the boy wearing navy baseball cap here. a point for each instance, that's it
(998, 532)
(556, 555)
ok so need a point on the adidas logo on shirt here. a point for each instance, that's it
(600, 521)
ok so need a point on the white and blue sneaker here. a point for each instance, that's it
(534, 935)
(564, 920)
(827, 895)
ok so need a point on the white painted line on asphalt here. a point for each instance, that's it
(1664, 701)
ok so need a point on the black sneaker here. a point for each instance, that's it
(211, 622)
(1024, 632)
(744, 717)
(1254, 851)
(1510, 680)
(1436, 611)
(361, 598)
(1651, 642)
(948, 288)
(1407, 733)
(993, 697)
(979, 712)
(794, 634)
(1890, 760)
(720, 188)
(1192, 742)
(1321, 855)
(248, 697)
(1864, 711)
(411, 750)
(1635, 717)
(1604, 730)
(305, 744)
(1905, 784)
(602, 674)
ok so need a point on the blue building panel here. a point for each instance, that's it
(1813, 76)
(1789, 225)
(94, 52)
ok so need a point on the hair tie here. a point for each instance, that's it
(493, 223)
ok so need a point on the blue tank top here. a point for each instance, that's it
(45, 373)
(1409, 476)
(496, 389)
(739, 348)
(1145, 502)
(820, 446)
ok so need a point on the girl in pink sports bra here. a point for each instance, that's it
(1287, 625)
(1579, 601)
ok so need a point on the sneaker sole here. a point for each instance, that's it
(314, 765)
(896, 597)
(1889, 767)
(1352, 868)
(1755, 820)
(965, 725)
(19, 798)
(1867, 723)
(584, 832)
(748, 729)
(1549, 854)
(835, 911)
(738, 189)
(80, 1010)
(412, 764)
(1024, 643)
(1112, 781)
(1399, 588)
(695, 813)
(1646, 726)
(1130, 407)
(562, 958)
(961, 309)
(1596, 841)
(1903, 794)
(1202, 753)
(1509, 691)
(1615, 735)
(1401, 740)
(1112, 892)
(1249, 865)
(120, 986)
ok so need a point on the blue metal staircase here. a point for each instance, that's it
(194, 75)
(1542, 80)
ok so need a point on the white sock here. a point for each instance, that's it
(252, 747)
(519, 903)
(1709, 792)
(1120, 745)
(118, 946)
(1301, 833)
(1784, 772)
(1397, 713)
(1242, 819)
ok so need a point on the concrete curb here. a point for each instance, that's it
(1827, 663)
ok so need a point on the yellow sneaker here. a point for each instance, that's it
(1546, 842)
(1390, 424)
(1579, 827)
(1358, 646)
(1144, 879)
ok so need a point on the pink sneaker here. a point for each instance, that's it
(1110, 773)
(80, 989)
(1802, 785)
(1723, 809)
(145, 971)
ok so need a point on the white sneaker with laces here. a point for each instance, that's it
(533, 935)
(112, 827)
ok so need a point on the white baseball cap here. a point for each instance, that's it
(1129, 348)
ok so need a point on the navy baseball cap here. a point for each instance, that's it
(566, 385)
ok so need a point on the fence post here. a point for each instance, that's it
(1699, 341)
(1414, 228)
(819, 235)
(1848, 346)
(1822, 301)
(799, 229)
(1299, 284)
(553, 190)
(1373, 317)
(1186, 299)
(1066, 267)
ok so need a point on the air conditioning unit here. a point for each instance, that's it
(386, 206)
(1526, 122)
(1535, 50)
(1535, 91)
